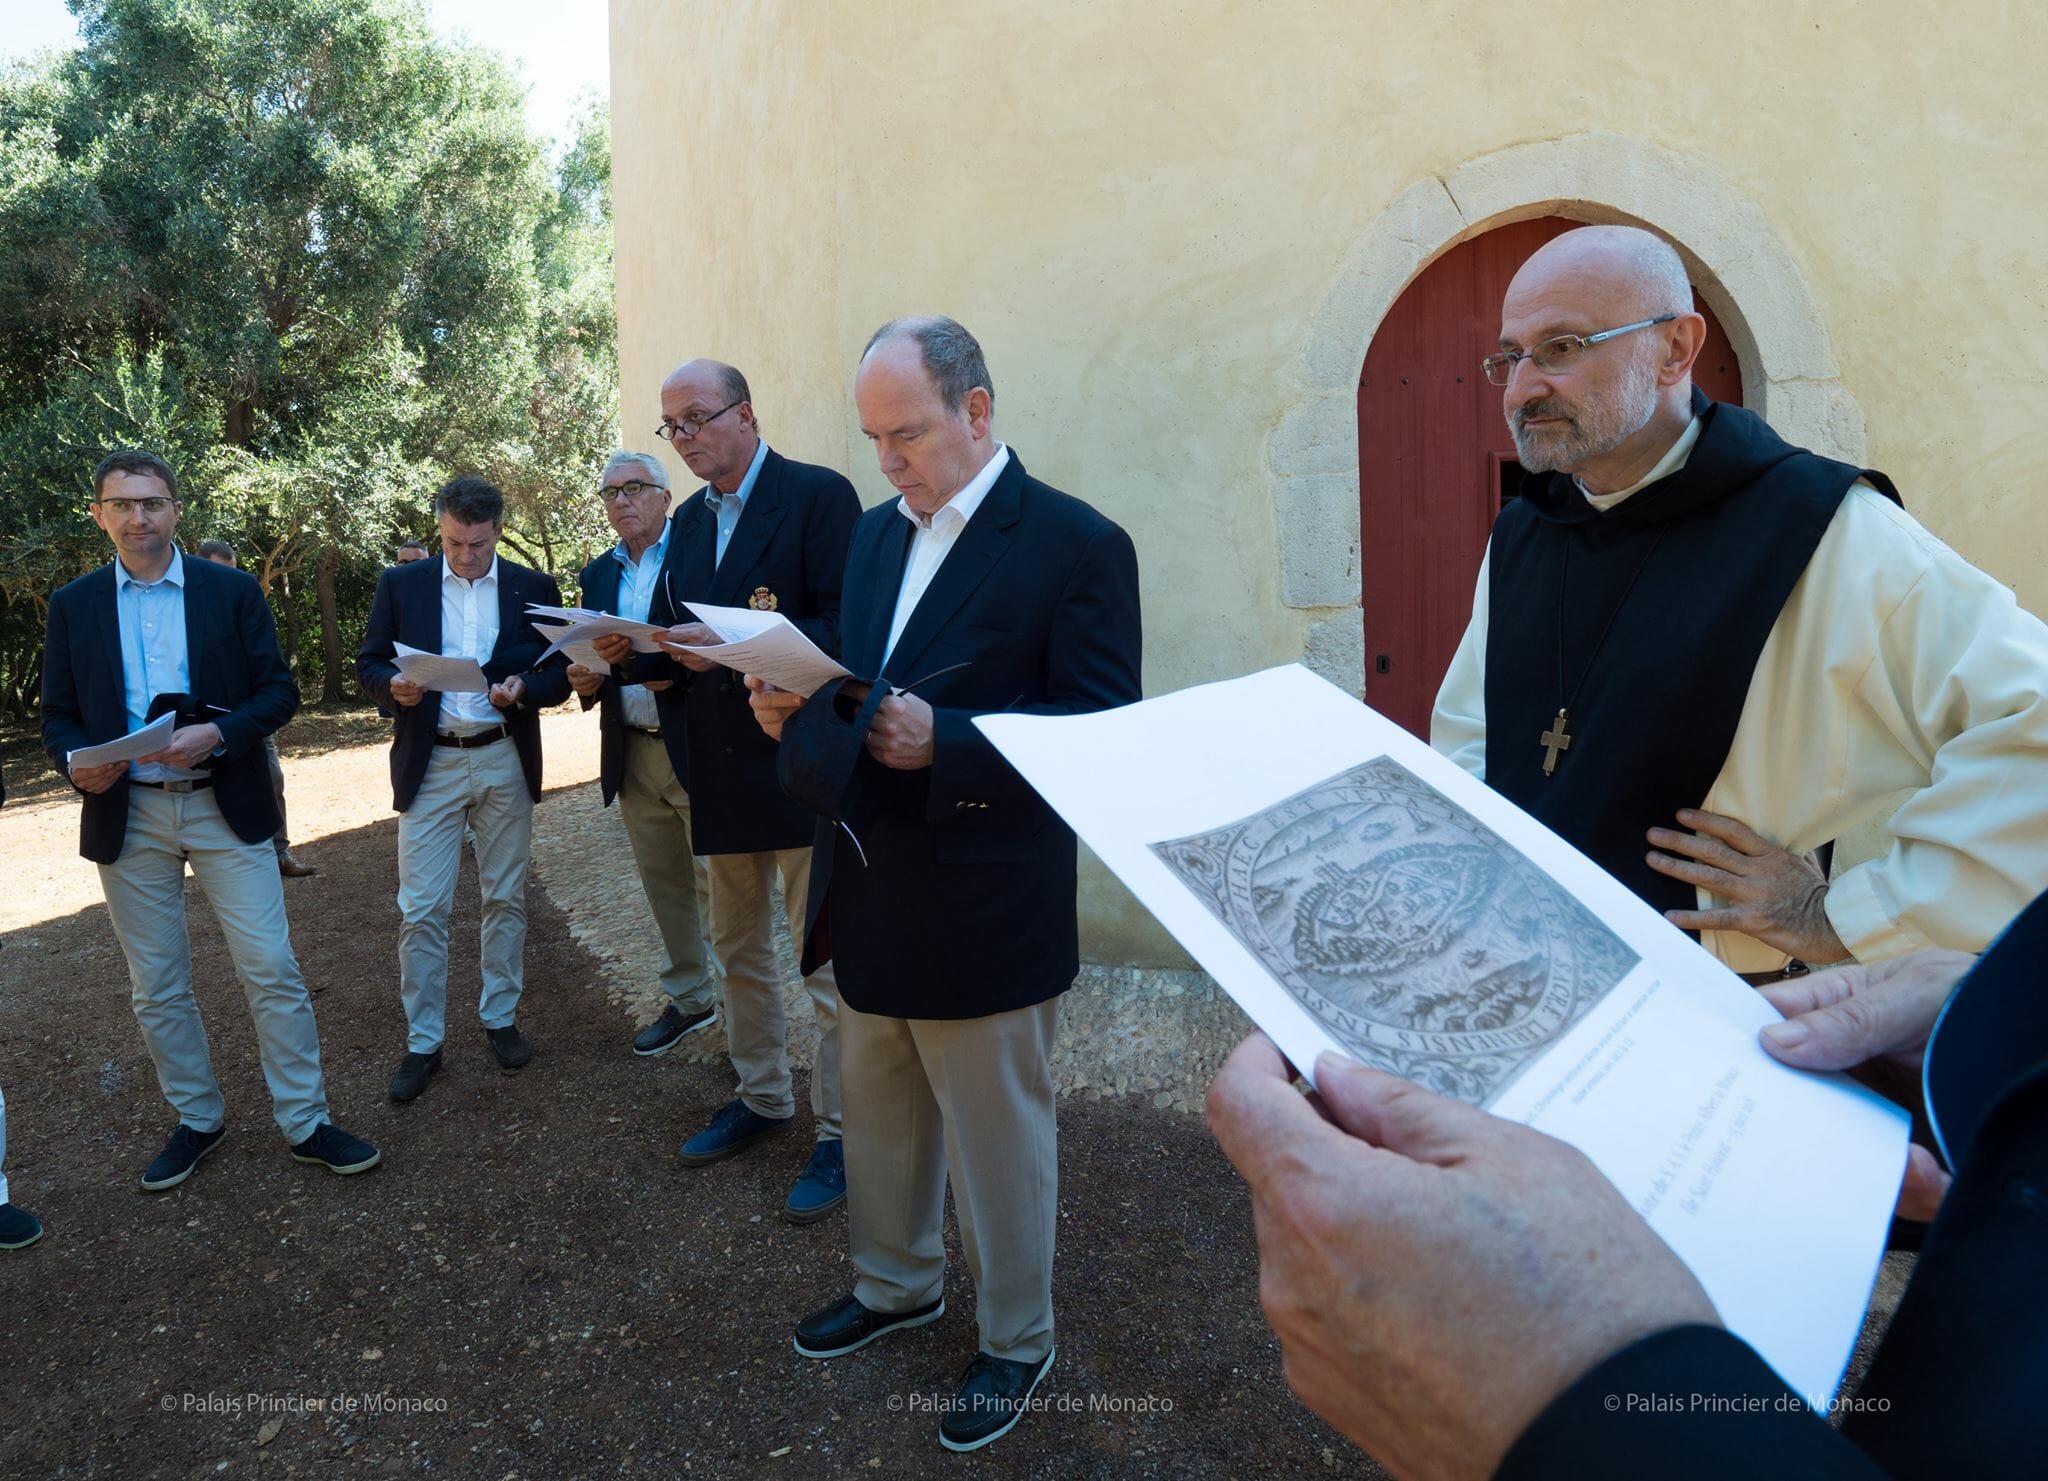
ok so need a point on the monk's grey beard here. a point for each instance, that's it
(1594, 426)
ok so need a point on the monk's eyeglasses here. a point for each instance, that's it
(1561, 353)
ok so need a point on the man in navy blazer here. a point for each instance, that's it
(768, 533)
(153, 631)
(462, 761)
(947, 901)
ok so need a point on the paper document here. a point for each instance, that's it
(442, 675)
(1353, 890)
(765, 644)
(562, 639)
(145, 741)
(579, 624)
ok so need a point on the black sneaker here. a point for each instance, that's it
(846, 1325)
(18, 1227)
(994, 1394)
(510, 1046)
(671, 1029)
(411, 1077)
(337, 1151)
(180, 1155)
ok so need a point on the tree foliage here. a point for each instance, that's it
(314, 256)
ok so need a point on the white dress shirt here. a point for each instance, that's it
(1894, 666)
(469, 629)
(936, 536)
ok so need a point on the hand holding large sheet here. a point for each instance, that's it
(1354, 891)
(441, 675)
(765, 644)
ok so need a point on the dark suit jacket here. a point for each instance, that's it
(790, 542)
(1956, 1387)
(964, 906)
(407, 609)
(234, 665)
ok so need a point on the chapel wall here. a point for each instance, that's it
(1145, 212)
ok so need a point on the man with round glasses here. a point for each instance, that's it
(642, 755)
(770, 533)
(1702, 654)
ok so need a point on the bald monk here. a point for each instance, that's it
(1701, 654)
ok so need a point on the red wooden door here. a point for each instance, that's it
(1436, 461)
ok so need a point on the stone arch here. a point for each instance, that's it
(1738, 263)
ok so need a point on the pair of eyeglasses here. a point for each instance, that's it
(689, 427)
(1561, 353)
(154, 504)
(632, 488)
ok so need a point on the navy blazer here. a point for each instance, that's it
(234, 664)
(407, 609)
(789, 547)
(963, 904)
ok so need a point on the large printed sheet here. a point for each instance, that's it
(1355, 891)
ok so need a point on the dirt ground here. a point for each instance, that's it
(531, 1285)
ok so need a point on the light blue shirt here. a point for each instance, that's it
(728, 507)
(638, 581)
(154, 657)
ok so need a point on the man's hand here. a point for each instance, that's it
(405, 692)
(190, 745)
(697, 635)
(508, 693)
(586, 682)
(1849, 1017)
(1773, 895)
(1435, 1275)
(901, 736)
(772, 707)
(96, 779)
(613, 647)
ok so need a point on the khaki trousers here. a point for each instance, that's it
(656, 811)
(972, 1097)
(756, 1030)
(145, 891)
(484, 790)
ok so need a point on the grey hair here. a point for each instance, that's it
(1651, 261)
(952, 356)
(624, 459)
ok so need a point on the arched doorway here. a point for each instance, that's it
(1436, 461)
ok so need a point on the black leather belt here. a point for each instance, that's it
(176, 784)
(471, 742)
(644, 730)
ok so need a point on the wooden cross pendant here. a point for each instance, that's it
(1554, 741)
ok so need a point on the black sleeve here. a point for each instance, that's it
(63, 721)
(375, 658)
(547, 683)
(1687, 1402)
(273, 693)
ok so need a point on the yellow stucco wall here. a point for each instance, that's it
(1142, 208)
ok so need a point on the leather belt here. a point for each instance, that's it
(644, 730)
(176, 784)
(471, 742)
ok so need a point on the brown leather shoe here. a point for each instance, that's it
(291, 868)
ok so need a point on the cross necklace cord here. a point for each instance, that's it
(1558, 738)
